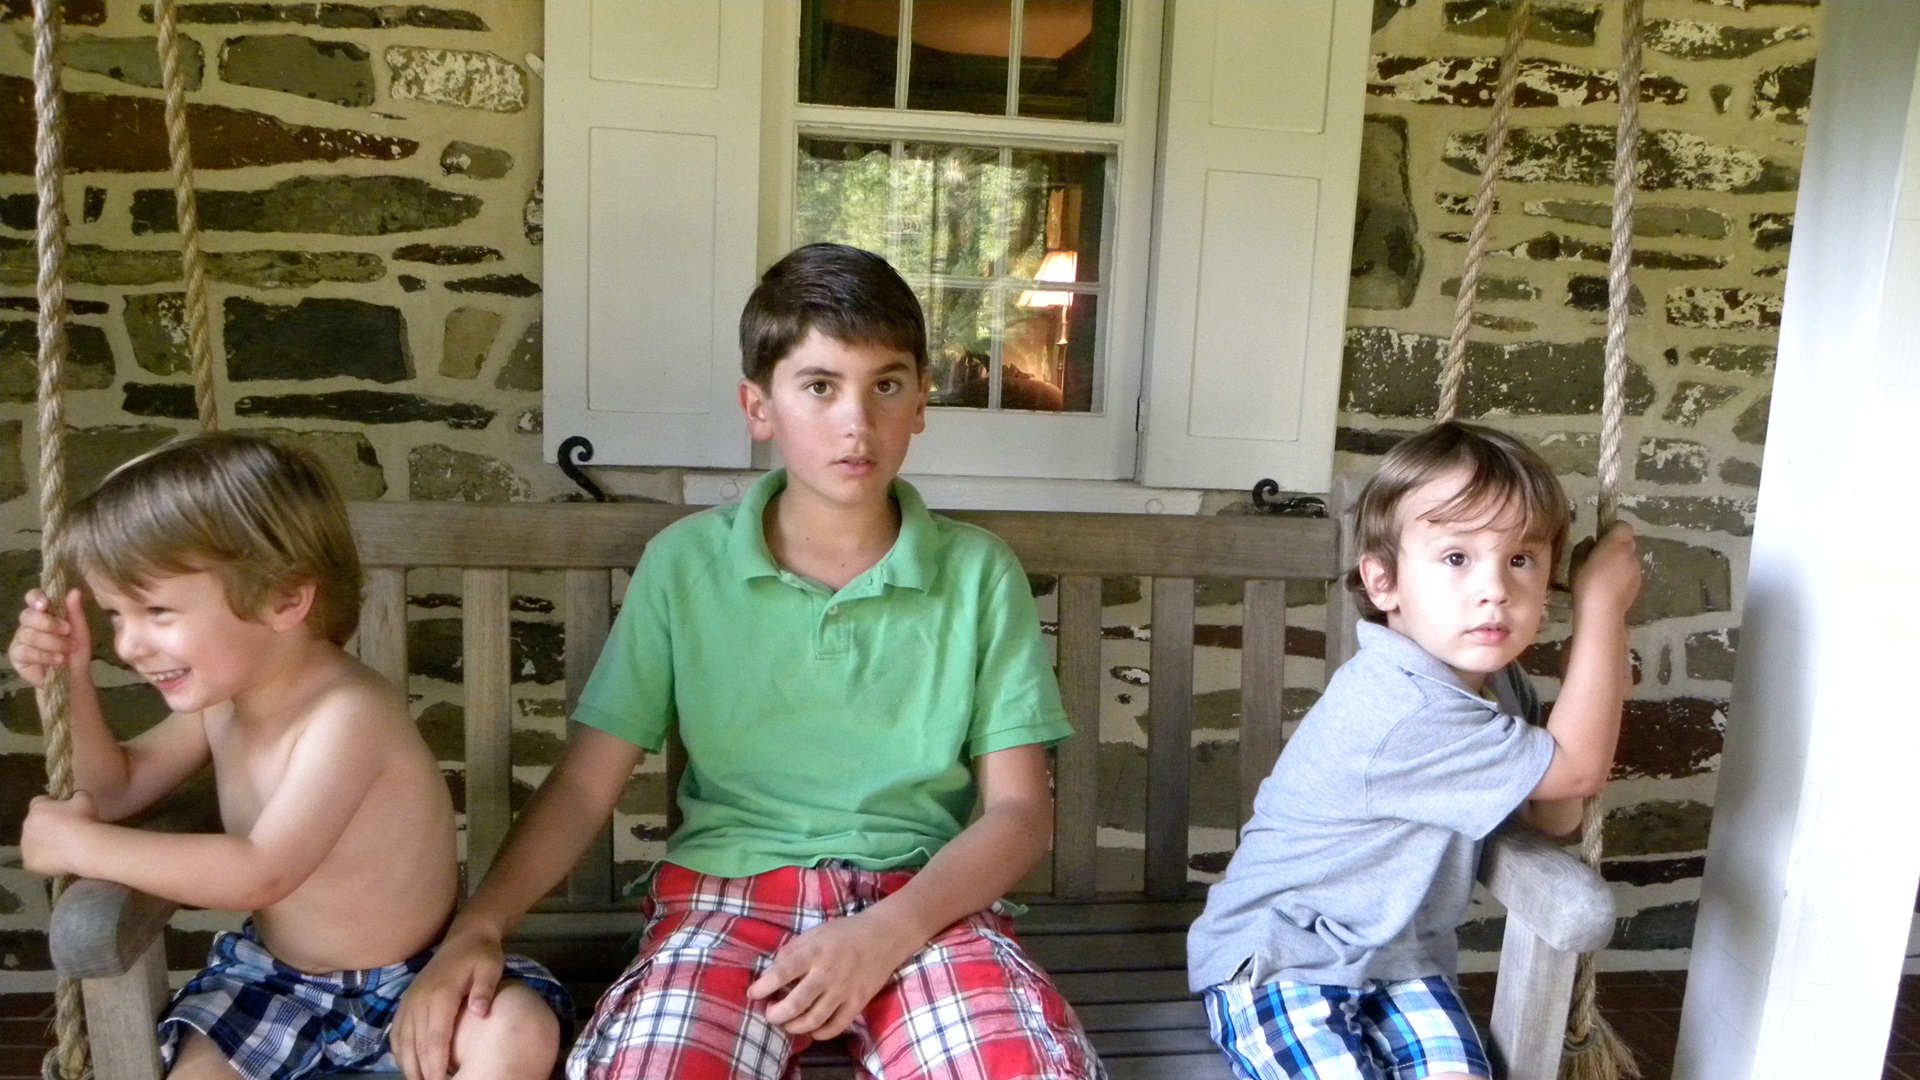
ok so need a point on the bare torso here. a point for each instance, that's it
(386, 889)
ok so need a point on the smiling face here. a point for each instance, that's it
(1471, 593)
(181, 635)
(842, 417)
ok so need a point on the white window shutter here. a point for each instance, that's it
(652, 194)
(1258, 173)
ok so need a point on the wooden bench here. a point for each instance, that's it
(1119, 956)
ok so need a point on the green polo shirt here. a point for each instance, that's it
(820, 724)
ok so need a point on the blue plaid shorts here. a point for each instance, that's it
(274, 1022)
(1399, 1030)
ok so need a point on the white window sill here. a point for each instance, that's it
(711, 488)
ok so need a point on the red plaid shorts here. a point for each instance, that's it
(968, 1006)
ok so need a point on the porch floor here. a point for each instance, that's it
(1643, 1006)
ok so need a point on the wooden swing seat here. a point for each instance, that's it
(1119, 957)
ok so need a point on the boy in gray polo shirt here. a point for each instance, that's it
(1328, 950)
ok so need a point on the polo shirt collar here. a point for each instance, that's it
(1406, 654)
(911, 563)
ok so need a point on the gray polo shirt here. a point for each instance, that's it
(1359, 860)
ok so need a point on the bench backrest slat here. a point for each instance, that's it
(1076, 784)
(1342, 612)
(1263, 653)
(1169, 736)
(383, 623)
(487, 673)
(587, 610)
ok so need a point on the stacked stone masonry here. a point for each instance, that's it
(370, 178)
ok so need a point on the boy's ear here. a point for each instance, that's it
(1378, 579)
(753, 402)
(920, 406)
(291, 607)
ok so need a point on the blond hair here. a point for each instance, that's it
(262, 517)
(1506, 482)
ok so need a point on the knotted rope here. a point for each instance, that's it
(1594, 1050)
(68, 1059)
(187, 207)
(1453, 373)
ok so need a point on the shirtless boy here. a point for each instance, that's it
(228, 571)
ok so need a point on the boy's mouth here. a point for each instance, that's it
(161, 678)
(1489, 633)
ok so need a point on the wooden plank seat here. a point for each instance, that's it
(1119, 956)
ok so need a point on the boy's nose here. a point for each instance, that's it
(127, 641)
(858, 417)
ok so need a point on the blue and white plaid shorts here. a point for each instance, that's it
(273, 1022)
(1399, 1030)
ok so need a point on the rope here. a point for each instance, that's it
(68, 1059)
(1453, 374)
(193, 261)
(1595, 1051)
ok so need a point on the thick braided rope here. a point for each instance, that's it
(1453, 372)
(68, 1059)
(1597, 1052)
(1619, 292)
(192, 259)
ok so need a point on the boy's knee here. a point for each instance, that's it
(200, 1059)
(519, 1036)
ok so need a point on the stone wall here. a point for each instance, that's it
(370, 179)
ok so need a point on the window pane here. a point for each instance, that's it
(960, 50)
(959, 344)
(849, 52)
(1047, 354)
(842, 192)
(1057, 207)
(952, 204)
(1070, 59)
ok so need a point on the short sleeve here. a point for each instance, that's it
(1016, 700)
(630, 693)
(1458, 763)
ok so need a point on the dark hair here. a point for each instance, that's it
(1505, 479)
(260, 516)
(846, 293)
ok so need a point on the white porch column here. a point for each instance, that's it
(1809, 887)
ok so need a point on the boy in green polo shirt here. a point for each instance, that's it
(850, 676)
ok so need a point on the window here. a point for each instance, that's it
(1133, 269)
(996, 189)
(1002, 242)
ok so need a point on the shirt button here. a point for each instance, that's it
(834, 610)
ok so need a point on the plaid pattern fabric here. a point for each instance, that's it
(969, 1006)
(1400, 1030)
(273, 1022)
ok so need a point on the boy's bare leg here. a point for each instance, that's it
(518, 1039)
(200, 1059)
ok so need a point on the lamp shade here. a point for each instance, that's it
(1057, 266)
